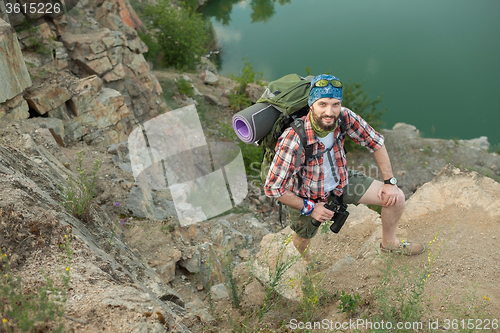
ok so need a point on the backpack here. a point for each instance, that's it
(289, 95)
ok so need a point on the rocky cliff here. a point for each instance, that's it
(85, 68)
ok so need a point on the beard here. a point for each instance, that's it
(322, 124)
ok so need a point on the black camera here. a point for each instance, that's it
(340, 215)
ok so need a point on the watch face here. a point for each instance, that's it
(393, 181)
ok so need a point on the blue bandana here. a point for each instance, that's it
(322, 92)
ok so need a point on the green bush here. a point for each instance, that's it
(184, 87)
(238, 98)
(153, 47)
(182, 34)
(79, 192)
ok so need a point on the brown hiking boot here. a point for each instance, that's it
(405, 248)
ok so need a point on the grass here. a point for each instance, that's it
(80, 192)
(39, 311)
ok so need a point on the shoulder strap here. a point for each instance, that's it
(342, 124)
(298, 127)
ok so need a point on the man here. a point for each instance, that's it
(306, 189)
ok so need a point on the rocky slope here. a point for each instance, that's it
(136, 269)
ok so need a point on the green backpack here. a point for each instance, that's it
(289, 95)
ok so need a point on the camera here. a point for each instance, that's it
(340, 215)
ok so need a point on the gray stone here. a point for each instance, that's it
(192, 261)
(15, 77)
(209, 78)
(479, 143)
(347, 260)
(219, 292)
(198, 308)
(254, 91)
(140, 202)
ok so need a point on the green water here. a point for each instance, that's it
(436, 62)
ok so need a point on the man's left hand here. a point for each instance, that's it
(388, 194)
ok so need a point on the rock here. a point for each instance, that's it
(219, 292)
(254, 91)
(347, 260)
(253, 297)
(14, 109)
(15, 76)
(208, 77)
(48, 97)
(407, 130)
(211, 99)
(192, 260)
(166, 267)
(478, 143)
(199, 309)
(276, 247)
(140, 202)
(85, 95)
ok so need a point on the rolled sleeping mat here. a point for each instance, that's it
(255, 122)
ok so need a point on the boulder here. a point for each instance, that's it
(15, 76)
(208, 77)
(254, 91)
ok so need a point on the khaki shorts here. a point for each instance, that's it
(358, 184)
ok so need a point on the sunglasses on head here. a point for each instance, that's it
(324, 82)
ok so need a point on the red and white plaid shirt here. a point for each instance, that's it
(283, 175)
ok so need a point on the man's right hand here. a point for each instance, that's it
(321, 213)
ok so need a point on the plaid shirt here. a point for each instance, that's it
(283, 175)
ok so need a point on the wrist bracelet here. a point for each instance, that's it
(308, 207)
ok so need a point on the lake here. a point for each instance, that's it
(437, 63)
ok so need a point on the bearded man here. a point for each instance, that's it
(305, 189)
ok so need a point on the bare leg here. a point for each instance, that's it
(302, 245)
(390, 214)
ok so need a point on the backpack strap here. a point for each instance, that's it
(298, 126)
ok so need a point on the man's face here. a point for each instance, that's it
(325, 112)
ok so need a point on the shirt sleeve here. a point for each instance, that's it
(361, 132)
(283, 165)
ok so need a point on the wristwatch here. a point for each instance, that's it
(391, 181)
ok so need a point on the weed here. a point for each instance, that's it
(79, 193)
(33, 312)
(400, 293)
(238, 98)
(185, 87)
(227, 269)
(427, 149)
(283, 264)
(348, 302)
(239, 101)
(167, 229)
(313, 296)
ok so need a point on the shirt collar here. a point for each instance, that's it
(310, 135)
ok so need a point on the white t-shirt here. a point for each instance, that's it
(330, 182)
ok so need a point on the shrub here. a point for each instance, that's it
(80, 192)
(238, 98)
(182, 34)
(184, 87)
(153, 47)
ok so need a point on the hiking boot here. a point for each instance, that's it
(405, 248)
